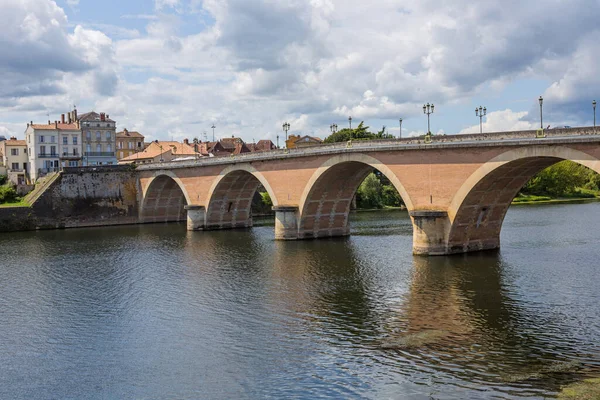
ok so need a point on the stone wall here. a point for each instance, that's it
(80, 197)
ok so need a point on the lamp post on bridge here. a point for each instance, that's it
(400, 136)
(594, 107)
(286, 128)
(428, 109)
(333, 128)
(213, 128)
(480, 112)
(350, 122)
(277, 140)
(541, 100)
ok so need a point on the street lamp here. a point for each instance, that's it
(480, 112)
(213, 128)
(286, 128)
(541, 100)
(161, 153)
(277, 141)
(400, 137)
(594, 106)
(350, 122)
(428, 109)
(333, 128)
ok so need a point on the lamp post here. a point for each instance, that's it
(400, 137)
(480, 112)
(541, 100)
(594, 107)
(161, 153)
(213, 128)
(350, 122)
(286, 128)
(277, 141)
(428, 109)
(333, 128)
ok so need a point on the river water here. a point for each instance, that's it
(156, 312)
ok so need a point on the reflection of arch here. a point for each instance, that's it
(164, 199)
(229, 200)
(479, 206)
(325, 202)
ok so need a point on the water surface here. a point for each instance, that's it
(156, 312)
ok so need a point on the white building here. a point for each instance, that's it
(53, 146)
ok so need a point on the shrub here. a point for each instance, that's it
(8, 194)
(3, 179)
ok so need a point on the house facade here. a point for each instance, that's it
(99, 138)
(14, 161)
(128, 143)
(161, 152)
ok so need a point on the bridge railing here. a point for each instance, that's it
(380, 144)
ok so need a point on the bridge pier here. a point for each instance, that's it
(286, 222)
(195, 217)
(430, 232)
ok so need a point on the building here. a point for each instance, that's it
(297, 141)
(128, 143)
(99, 138)
(261, 145)
(52, 146)
(13, 160)
(162, 152)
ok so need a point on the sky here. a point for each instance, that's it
(170, 69)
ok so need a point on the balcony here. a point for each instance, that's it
(46, 155)
(71, 156)
(99, 153)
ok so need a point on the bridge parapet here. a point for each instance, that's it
(514, 138)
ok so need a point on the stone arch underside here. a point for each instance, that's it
(164, 201)
(326, 209)
(478, 220)
(231, 201)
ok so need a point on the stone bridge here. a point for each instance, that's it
(457, 188)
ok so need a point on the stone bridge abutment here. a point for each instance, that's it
(457, 195)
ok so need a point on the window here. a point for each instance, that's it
(120, 144)
(99, 148)
(130, 145)
(139, 144)
(14, 152)
(88, 135)
(88, 148)
(15, 165)
(108, 148)
(52, 139)
(74, 139)
(42, 139)
(98, 136)
(65, 140)
(72, 163)
(42, 150)
(25, 150)
(98, 125)
(108, 137)
(75, 153)
(53, 150)
(120, 154)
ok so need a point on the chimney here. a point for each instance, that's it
(186, 141)
(102, 117)
(62, 118)
(49, 122)
(125, 131)
(30, 122)
(56, 124)
(13, 138)
(107, 117)
(74, 114)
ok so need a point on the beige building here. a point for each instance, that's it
(14, 161)
(161, 152)
(128, 143)
(297, 141)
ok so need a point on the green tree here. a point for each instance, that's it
(369, 193)
(561, 179)
(266, 199)
(361, 132)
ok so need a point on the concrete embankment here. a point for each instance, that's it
(78, 197)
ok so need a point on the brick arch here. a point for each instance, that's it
(326, 200)
(478, 209)
(229, 200)
(164, 199)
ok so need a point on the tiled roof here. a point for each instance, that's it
(92, 116)
(125, 134)
(12, 142)
(154, 150)
(53, 127)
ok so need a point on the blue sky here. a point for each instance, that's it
(172, 68)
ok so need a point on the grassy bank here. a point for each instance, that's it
(578, 196)
(18, 203)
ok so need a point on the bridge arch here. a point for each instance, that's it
(229, 200)
(164, 199)
(478, 208)
(325, 203)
